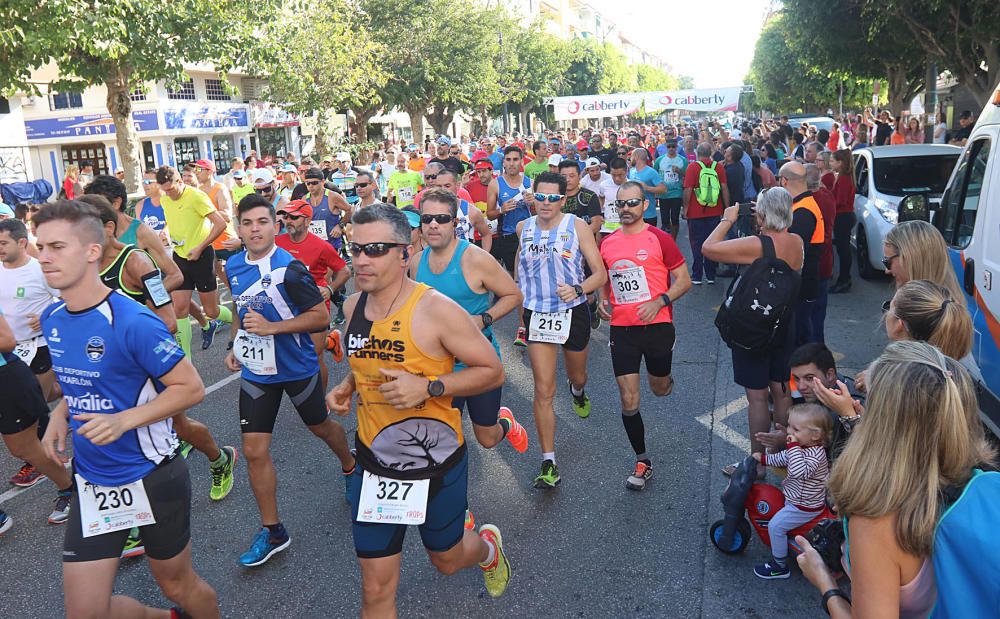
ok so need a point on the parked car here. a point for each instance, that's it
(820, 122)
(883, 175)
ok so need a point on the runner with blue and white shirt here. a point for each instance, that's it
(508, 200)
(278, 306)
(123, 376)
(553, 246)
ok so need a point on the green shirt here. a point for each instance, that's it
(404, 185)
(535, 168)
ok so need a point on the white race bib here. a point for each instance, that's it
(26, 350)
(611, 213)
(550, 328)
(405, 194)
(393, 501)
(318, 227)
(670, 177)
(629, 285)
(104, 509)
(256, 353)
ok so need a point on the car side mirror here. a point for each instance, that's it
(914, 207)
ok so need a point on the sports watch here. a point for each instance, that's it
(487, 319)
(666, 299)
(435, 388)
(578, 289)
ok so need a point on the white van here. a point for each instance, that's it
(969, 219)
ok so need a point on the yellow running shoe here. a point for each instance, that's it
(497, 573)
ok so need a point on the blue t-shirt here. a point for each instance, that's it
(278, 287)
(504, 193)
(497, 160)
(673, 180)
(108, 359)
(650, 177)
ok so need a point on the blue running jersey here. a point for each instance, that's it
(504, 193)
(278, 287)
(323, 212)
(108, 359)
(153, 216)
(549, 258)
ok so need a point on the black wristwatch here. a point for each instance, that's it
(435, 388)
(487, 319)
(579, 290)
(666, 299)
(833, 593)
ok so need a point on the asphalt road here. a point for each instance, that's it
(590, 548)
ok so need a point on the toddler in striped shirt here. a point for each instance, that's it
(809, 427)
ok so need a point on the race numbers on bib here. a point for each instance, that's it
(611, 214)
(670, 177)
(26, 350)
(393, 501)
(550, 328)
(405, 194)
(104, 509)
(256, 353)
(318, 227)
(630, 285)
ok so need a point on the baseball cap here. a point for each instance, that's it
(297, 207)
(205, 164)
(239, 174)
(671, 143)
(592, 162)
(412, 216)
(483, 164)
(444, 140)
(288, 168)
(555, 159)
(343, 156)
(262, 176)
(966, 114)
(6, 212)
(313, 173)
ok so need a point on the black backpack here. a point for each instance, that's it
(760, 303)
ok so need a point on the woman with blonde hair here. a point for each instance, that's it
(921, 434)
(927, 312)
(916, 250)
(71, 187)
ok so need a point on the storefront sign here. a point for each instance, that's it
(86, 125)
(206, 116)
(271, 115)
(623, 104)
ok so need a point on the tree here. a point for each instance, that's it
(124, 45)
(339, 68)
(649, 78)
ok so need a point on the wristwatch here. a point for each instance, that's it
(435, 388)
(579, 290)
(487, 319)
(833, 593)
(666, 299)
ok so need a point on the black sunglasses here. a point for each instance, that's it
(887, 262)
(312, 183)
(631, 202)
(441, 219)
(373, 250)
(294, 217)
(264, 190)
(361, 185)
(427, 177)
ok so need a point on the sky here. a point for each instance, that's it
(677, 31)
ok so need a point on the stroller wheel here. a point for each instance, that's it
(741, 536)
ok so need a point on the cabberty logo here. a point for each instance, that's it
(91, 402)
(575, 107)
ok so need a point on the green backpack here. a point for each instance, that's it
(707, 191)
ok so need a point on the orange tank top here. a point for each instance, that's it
(227, 233)
(416, 443)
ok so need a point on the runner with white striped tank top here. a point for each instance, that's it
(553, 246)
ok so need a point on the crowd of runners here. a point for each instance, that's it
(400, 268)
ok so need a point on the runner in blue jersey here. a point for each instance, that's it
(508, 199)
(123, 377)
(150, 211)
(468, 275)
(553, 247)
(331, 212)
(278, 307)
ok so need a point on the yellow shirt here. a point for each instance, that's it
(187, 219)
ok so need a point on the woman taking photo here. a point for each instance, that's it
(842, 164)
(768, 372)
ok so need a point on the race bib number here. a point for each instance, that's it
(318, 227)
(611, 213)
(550, 328)
(670, 177)
(630, 285)
(104, 509)
(393, 501)
(406, 194)
(26, 350)
(255, 353)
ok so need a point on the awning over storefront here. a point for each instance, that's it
(623, 104)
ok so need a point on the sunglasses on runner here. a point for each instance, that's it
(549, 197)
(441, 219)
(631, 202)
(292, 217)
(373, 250)
(312, 183)
(264, 190)
(148, 181)
(361, 185)
(427, 177)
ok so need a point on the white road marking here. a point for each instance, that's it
(222, 383)
(714, 421)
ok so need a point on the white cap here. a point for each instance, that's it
(343, 156)
(592, 162)
(262, 176)
(555, 159)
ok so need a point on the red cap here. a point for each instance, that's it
(483, 164)
(205, 164)
(298, 207)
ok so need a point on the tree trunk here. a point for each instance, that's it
(416, 114)
(484, 119)
(897, 91)
(120, 107)
(360, 123)
(321, 144)
(440, 116)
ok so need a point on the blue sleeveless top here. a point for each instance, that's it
(152, 215)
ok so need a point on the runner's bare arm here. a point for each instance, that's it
(598, 274)
(339, 278)
(680, 282)
(492, 199)
(313, 319)
(479, 223)
(218, 226)
(137, 266)
(7, 341)
(497, 280)
(411, 269)
(452, 328)
(149, 241)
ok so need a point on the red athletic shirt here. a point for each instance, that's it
(696, 210)
(656, 253)
(316, 254)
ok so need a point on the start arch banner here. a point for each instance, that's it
(623, 104)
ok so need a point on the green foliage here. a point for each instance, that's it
(649, 78)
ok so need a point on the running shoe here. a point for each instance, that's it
(334, 340)
(60, 512)
(470, 520)
(350, 481)
(184, 448)
(222, 477)
(710, 282)
(179, 613)
(696, 282)
(6, 522)
(133, 545)
(264, 548)
(340, 319)
(208, 333)
(517, 435)
(771, 571)
(549, 477)
(497, 573)
(521, 339)
(641, 474)
(27, 477)
(581, 403)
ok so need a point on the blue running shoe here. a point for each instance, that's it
(208, 334)
(263, 548)
(350, 483)
(6, 522)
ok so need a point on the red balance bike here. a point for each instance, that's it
(747, 503)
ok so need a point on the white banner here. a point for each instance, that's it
(623, 104)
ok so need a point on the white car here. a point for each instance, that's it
(882, 176)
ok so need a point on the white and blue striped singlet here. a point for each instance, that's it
(549, 258)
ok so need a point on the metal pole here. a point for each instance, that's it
(506, 120)
(930, 101)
